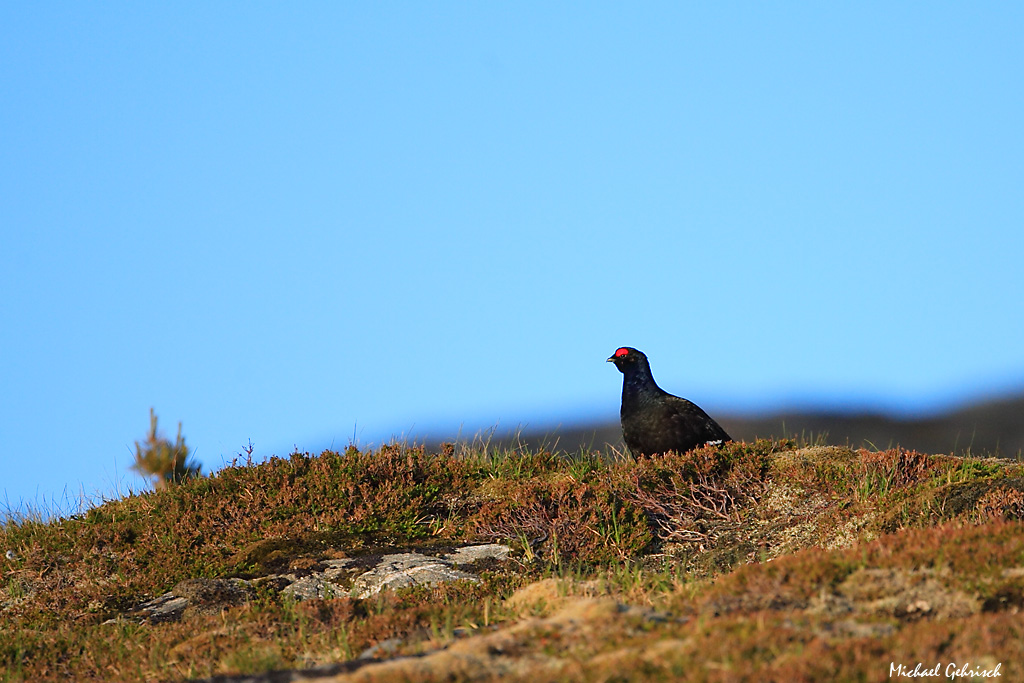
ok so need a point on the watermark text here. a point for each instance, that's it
(951, 671)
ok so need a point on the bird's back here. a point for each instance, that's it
(656, 422)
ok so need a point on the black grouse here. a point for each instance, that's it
(653, 420)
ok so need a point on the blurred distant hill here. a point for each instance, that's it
(993, 427)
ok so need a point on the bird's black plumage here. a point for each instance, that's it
(653, 420)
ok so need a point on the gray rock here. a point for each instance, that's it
(319, 584)
(168, 607)
(190, 597)
(210, 596)
(412, 569)
(315, 586)
(476, 553)
(393, 571)
(407, 569)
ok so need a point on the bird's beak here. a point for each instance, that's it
(610, 360)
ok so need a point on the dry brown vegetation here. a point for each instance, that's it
(763, 561)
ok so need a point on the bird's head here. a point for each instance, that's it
(627, 357)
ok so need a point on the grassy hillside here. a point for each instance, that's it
(762, 561)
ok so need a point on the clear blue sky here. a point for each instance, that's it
(295, 223)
